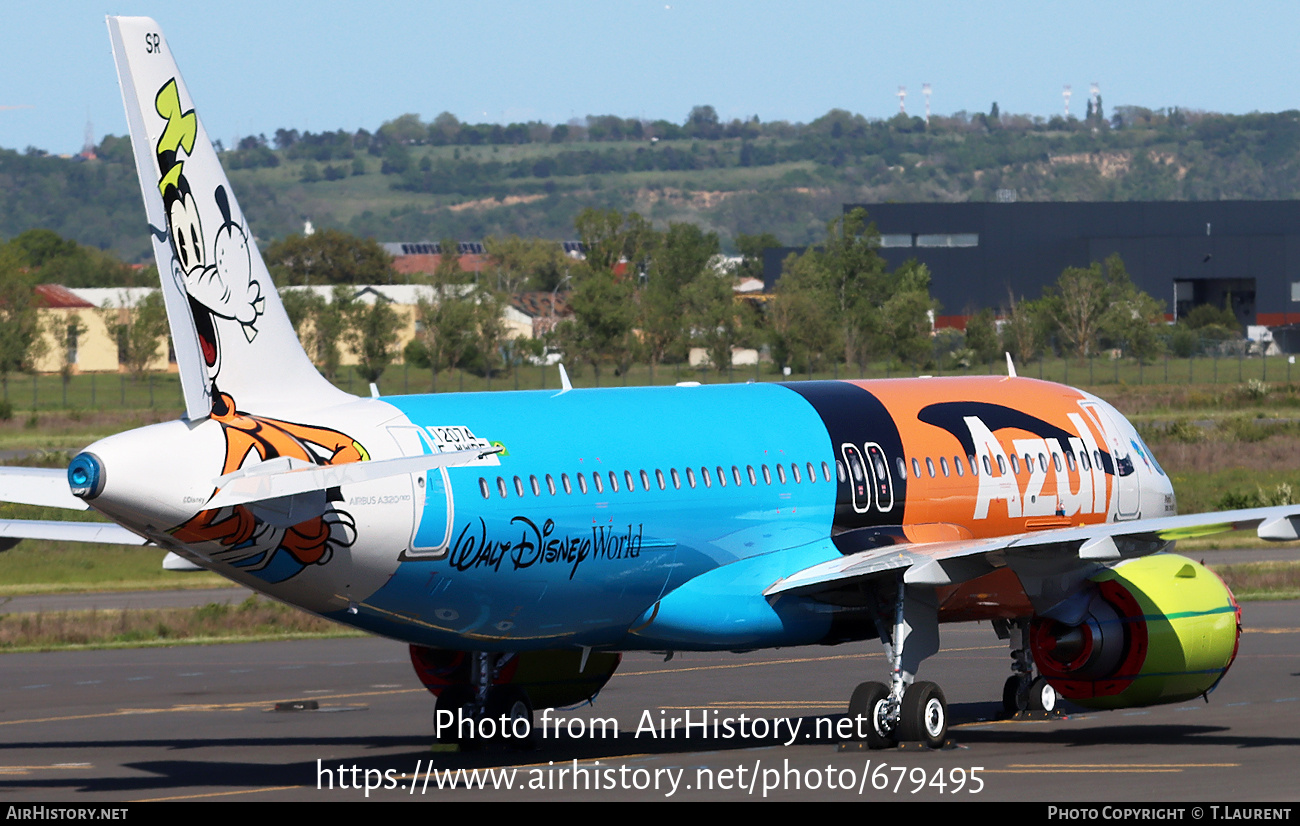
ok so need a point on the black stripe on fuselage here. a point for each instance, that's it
(854, 416)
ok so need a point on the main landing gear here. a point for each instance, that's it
(905, 711)
(481, 712)
(1023, 692)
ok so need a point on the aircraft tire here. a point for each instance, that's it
(869, 702)
(1010, 696)
(1042, 697)
(924, 715)
(512, 704)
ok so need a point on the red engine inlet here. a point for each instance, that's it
(1101, 655)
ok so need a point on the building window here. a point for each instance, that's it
(951, 239)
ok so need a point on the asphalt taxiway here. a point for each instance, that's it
(198, 723)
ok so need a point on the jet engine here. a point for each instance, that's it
(551, 678)
(1159, 629)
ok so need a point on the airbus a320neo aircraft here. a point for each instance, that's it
(518, 541)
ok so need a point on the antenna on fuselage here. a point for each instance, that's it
(565, 384)
(1011, 367)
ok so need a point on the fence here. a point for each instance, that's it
(94, 391)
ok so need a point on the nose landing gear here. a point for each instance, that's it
(905, 711)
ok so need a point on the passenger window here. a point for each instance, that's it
(753, 480)
(537, 486)
(988, 470)
(722, 477)
(613, 481)
(974, 465)
(677, 480)
(1015, 464)
(780, 473)
(483, 487)
(929, 466)
(645, 480)
(1083, 460)
(631, 483)
(659, 477)
(902, 468)
(916, 468)
(1056, 461)
(826, 471)
(735, 474)
(1029, 463)
(690, 477)
(1069, 461)
(501, 486)
(1096, 460)
(956, 465)
(943, 465)
(767, 475)
(600, 486)
(1002, 466)
(550, 483)
(582, 483)
(564, 480)
(1042, 461)
(839, 469)
(704, 474)
(519, 486)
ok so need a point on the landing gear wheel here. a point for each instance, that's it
(512, 704)
(1042, 697)
(1011, 702)
(924, 715)
(454, 699)
(870, 703)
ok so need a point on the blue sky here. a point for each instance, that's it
(254, 67)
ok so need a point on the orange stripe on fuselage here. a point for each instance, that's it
(1008, 502)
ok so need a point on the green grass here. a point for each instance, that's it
(254, 619)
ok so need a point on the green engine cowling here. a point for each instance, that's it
(1159, 629)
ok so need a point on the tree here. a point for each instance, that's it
(604, 293)
(138, 329)
(526, 263)
(751, 249)
(907, 315)
(328, 256)
(1078, 305)
(982, 336)
(21, 342)
(1022, 334)
(680, 257)
(801, 315)
(372, 332)
(445, 321)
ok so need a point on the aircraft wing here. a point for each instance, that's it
(47, 487)
(103, 532)
(949, 563)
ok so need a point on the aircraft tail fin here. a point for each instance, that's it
(230, 332)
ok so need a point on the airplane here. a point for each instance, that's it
(519, 542)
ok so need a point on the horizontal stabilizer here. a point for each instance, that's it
(103, 532)
(47, 487)
(175, 562)
(284, 478)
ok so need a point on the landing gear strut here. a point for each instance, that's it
(1023, 691)
(904, 711)
(482, 711)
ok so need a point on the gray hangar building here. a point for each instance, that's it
(1185, 253)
